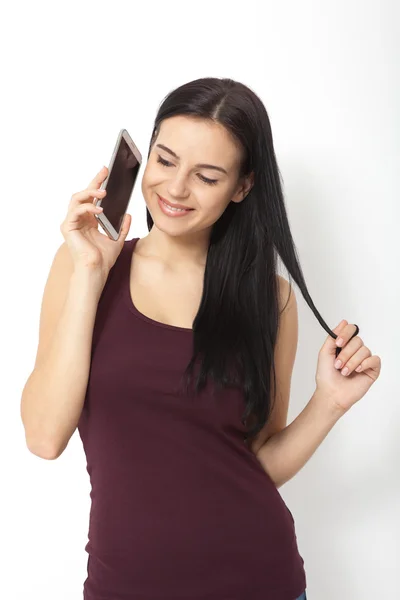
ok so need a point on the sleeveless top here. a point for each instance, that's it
(181, 508)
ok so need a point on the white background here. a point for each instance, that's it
(73, 75)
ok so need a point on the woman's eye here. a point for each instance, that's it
(208, 181)
(166, 163)
(163, 162)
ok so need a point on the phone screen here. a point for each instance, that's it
(119, 185)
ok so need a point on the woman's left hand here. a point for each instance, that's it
(345, 390)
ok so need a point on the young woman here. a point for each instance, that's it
(172, 354)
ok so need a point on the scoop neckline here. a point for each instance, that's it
(128, 297)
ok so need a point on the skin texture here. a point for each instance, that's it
(182, 243)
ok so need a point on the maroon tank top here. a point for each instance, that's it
(181, 509)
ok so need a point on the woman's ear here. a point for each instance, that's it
(249, 183)
(245, 188)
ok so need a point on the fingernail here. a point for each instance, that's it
(345, 371)
(339, 341)
(338, 364)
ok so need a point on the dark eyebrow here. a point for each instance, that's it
(201, 166)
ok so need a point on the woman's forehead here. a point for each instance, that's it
(199, 140)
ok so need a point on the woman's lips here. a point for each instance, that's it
(183, 206)
(170, 212)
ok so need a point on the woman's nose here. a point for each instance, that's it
(178, 186)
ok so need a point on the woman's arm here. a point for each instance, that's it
(286, 452)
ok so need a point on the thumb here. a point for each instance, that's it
(329, 346)
(125, 228)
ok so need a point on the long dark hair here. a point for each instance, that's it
(235, 329)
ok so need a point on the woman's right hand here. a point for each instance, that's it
(88, 247)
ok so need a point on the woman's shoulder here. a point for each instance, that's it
(286, 293)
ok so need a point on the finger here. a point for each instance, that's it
(372, 362)
(125, 228)
(339, 328)
(74, 215)
(85, 195)
(99, 178)
(346, 353)
(354, 361)
(345, 334)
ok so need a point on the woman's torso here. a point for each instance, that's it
(181, 508)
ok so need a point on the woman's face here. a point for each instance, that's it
(179, 179)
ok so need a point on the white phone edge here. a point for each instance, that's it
(102, 219)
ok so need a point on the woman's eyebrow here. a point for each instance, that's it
(202, 165)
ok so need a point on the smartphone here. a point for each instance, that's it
(122, 174)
